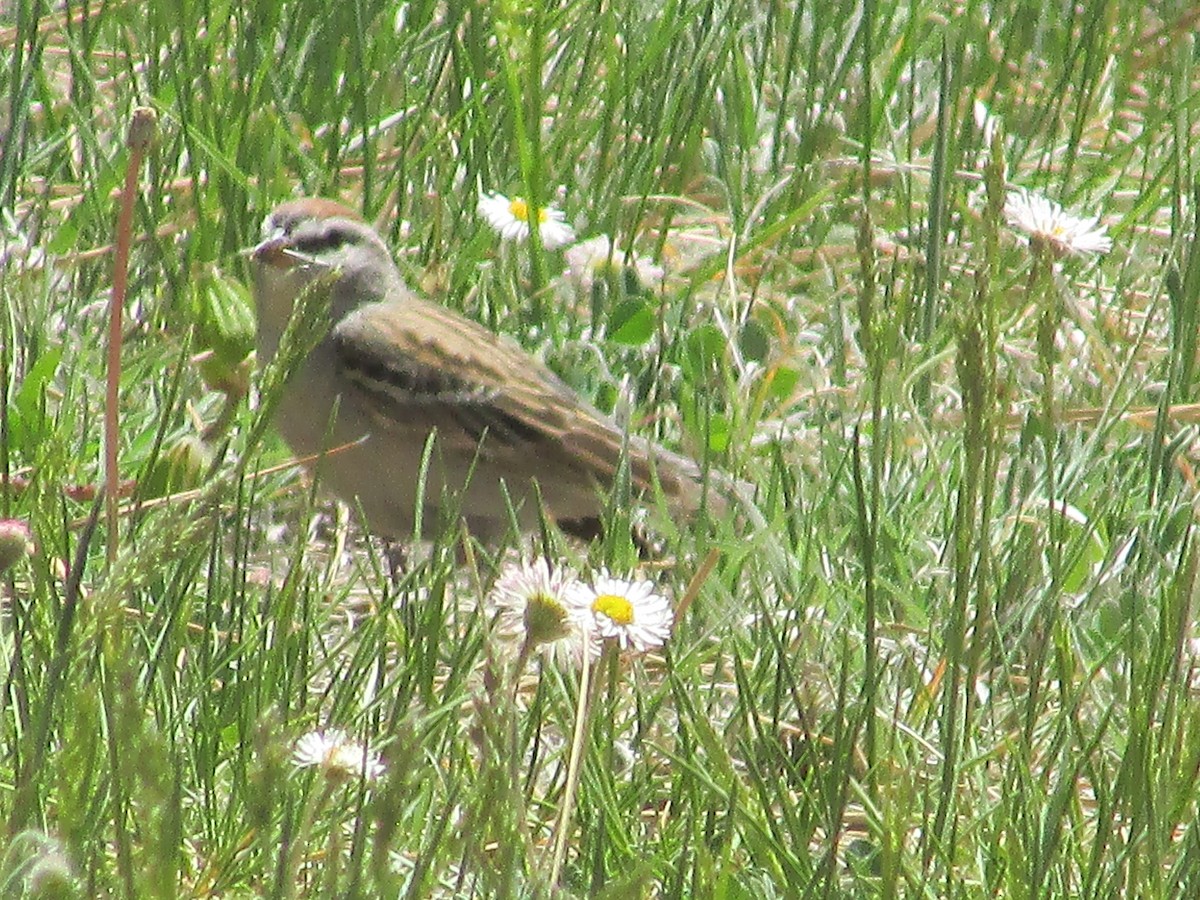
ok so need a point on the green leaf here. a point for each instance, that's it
(1092, 553)
(27, 420)
(179, 469)
(631, 323)
(703, 351)
(783, 382)
(65, 236)
(224, 318)
(718, 433)
(754, 341)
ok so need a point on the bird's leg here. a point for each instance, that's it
(395, 554)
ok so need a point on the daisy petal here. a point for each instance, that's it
(510, 219)
(631, 612)
(337, 755)
(1047, 223)
(539, 606)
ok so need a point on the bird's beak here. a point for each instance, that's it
(273, 251)
(277, 252)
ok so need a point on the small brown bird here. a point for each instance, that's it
(394, 369)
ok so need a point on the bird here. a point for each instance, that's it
(395, 372)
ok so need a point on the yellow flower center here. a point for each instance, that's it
(520, 211)
(616, 607)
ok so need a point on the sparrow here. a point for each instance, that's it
(396, 372)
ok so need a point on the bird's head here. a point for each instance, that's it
(312, 238)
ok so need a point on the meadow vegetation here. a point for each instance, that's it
(948, 649)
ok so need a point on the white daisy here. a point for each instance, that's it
(596, 257)
(337, 755)
(510, 219)
(631, 612)
(542, 609)
(1048, 223)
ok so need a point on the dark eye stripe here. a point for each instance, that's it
(320, 241)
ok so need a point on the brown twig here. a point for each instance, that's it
(697, 582)
(141, 130)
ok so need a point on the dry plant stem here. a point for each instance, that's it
(141, 130)
(196, 493)
(693, 589)
(518, 667)
(573, 765)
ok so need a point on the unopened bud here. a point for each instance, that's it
(15, 543)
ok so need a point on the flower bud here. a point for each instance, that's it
(15, 543)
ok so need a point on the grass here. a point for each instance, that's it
(956, 656)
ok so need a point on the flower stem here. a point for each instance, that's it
(573, 765)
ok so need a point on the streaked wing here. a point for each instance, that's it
(420, 366)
